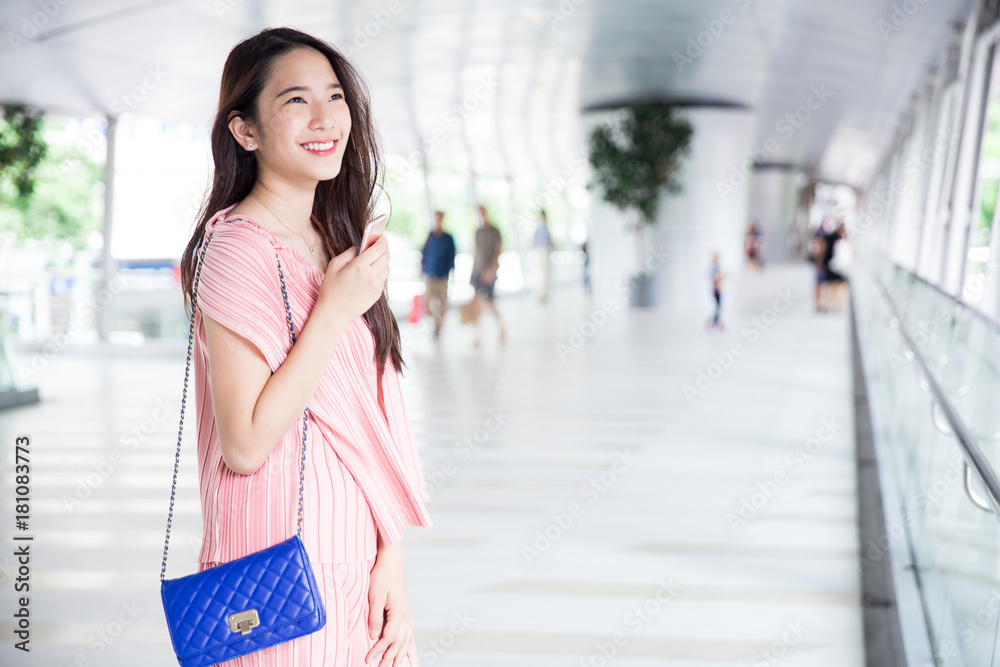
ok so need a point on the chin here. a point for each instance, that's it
(327, 172)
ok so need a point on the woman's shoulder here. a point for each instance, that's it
(243, 237)
(240, 228)
(237, 256)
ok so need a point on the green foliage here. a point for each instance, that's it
(452, 195)
(633, 162)
(407, 218)
(988, 202)
(990, 165)
(21, 148)
(63, 203)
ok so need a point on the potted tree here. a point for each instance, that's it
(633, 162)
(22, 148)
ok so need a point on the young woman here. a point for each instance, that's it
(296, 166)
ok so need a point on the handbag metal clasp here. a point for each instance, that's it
(244, 621)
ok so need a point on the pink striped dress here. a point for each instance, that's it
(362, 473)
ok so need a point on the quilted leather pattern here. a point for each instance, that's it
(277, 581)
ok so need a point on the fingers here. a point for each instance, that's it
(376, 650)
(343, 258)
(376, 610)
(381, 645)
(389, 659)
(412, 651)
(379, 264)
(377, 250)
(407, 652)
(396, 642)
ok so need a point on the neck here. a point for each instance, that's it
(292, 203)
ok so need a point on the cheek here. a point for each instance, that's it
(278, 125)
(344, 121)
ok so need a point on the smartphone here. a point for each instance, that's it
(373, 230)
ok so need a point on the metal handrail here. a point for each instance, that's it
(967, 474)
(975, 460)
(955, 300)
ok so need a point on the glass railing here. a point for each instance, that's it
(931, 368)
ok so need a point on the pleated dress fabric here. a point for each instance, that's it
(362, 472)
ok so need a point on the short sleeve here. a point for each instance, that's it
(239, 288)
(399, 424)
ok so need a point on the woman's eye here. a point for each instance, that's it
(335, 96)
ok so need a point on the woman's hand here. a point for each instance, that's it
(389, 608)
(353, 282)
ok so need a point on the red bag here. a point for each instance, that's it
(417, 311)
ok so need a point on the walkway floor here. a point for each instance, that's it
(584, 505)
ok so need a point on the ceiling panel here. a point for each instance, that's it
(432, 66)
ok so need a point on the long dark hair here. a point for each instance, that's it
(341, 206)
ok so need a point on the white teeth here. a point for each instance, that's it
(313, 146)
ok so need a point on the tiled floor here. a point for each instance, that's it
(584, 507)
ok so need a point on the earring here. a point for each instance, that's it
(249, 147)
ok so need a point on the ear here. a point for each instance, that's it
(243, 132)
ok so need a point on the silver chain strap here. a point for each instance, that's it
(177, 456)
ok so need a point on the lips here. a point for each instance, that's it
(320, 147)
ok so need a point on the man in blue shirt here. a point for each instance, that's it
(438, 261)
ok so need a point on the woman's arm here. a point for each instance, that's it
(253, 407)
(390, 619)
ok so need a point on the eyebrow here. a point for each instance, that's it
(293, 89)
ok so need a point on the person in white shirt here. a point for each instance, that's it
(543, 246)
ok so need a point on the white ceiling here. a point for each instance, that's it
(534, 64)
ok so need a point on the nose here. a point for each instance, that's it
(324, 117)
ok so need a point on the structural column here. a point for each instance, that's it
(774, 202)
(709, 215)
(103, 311)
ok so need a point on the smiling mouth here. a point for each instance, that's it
(318, 148)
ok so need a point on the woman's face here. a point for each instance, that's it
(304, 120)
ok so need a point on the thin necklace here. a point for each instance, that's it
(311, 251)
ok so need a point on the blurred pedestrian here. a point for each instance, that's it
(822, 249)
(717, 277)
(586, 269)
(543, 246)
(817, 248)
(437, 261)
(836, 262)
(485, 262)
(753, 245)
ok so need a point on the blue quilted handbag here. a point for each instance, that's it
(264, 598)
